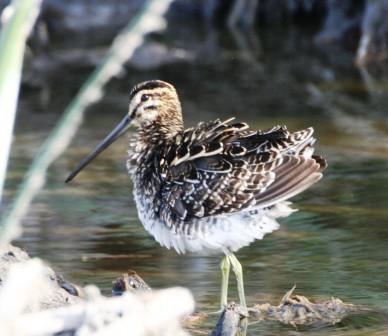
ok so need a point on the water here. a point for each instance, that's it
(336, 245)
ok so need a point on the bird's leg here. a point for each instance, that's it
(225, 269)
(239, 276)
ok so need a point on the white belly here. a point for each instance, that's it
(212, 234)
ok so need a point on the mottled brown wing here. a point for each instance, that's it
(222, 168)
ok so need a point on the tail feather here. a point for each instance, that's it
(291, 180)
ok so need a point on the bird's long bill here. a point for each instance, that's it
(112, 137)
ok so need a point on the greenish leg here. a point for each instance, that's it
(225, 269)
(239, 276)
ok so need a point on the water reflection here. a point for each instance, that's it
(334, 246)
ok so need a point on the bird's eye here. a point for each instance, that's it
(145, 97)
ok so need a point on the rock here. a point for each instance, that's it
(34, 300)
(58, 291)
(229, 322)
(129, 282)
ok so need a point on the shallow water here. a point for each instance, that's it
(335, 245)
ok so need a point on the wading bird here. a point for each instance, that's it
(215, 187)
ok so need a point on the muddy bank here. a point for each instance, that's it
(293, 310)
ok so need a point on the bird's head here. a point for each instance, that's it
(154, 102)
(154, 108)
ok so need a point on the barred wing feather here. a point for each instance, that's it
(223, 167)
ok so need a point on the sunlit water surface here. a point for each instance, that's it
(335, 245)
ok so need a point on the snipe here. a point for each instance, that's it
(215, 187)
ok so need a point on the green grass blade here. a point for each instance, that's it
(124, 45)
(18, 19)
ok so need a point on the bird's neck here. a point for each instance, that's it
(149, 141)
(160, 131)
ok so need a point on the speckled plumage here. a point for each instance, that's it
(214, 187)
(219, 185)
